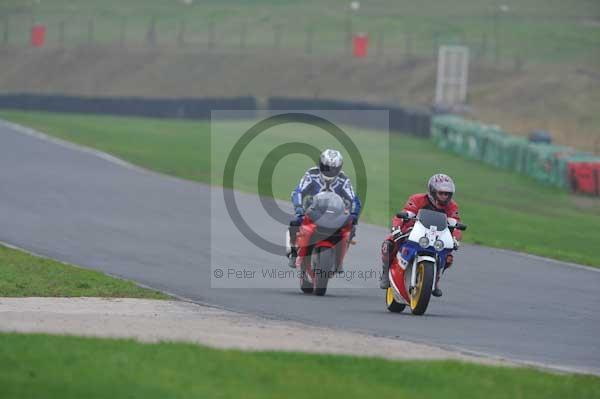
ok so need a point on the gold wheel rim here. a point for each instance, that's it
(389, 296)
(416, 292)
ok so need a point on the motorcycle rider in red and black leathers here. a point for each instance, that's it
(438, 198)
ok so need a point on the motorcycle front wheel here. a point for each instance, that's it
(323, 267)
(421, 292)
(390, 302)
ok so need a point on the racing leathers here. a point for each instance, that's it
(400, 227)
(311, 184)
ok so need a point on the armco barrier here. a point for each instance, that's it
(188, 108)
(404, 120)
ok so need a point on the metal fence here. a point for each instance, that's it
(498, 40)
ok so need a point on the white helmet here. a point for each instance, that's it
(330, 164)
(440, 183)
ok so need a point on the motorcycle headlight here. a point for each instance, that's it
(438, 245)
(424, 242)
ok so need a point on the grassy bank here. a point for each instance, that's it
(70, 367)
(24, 275)
(503, 209)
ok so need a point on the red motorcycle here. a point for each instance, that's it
(322, 241)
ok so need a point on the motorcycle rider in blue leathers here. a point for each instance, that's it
(328, 176)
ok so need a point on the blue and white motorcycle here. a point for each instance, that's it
(421, 258)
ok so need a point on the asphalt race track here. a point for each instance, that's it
(85, 208)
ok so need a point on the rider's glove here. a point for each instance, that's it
(299, 214)
(396, 233)
(456, 243)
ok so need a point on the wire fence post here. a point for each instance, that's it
(309, 40)
(483, 46)
(518, 65)
(90, 30)
(211, 34)
(61, 33)
(436, 43)
(379, 45)
(181, 33)
(123, 34)
(495, 26)
(151, 33)
(277, 32)
(408, 44)
(243, 34)
(349, 29)
(5, 34)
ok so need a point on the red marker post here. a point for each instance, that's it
(38, 35)
(360, 45)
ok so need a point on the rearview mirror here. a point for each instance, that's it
(402, 215)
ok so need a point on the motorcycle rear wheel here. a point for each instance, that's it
(305, 285)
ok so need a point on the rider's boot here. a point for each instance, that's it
(292, 251)
(384, 279)
(292, 255)
(437, 292)
(340, 268)
(387, 254)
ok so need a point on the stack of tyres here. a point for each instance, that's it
(542, 162)
(514, 156)
(597, 174)
(444, 129)
(459, 137)
(493, 146)
(584, 176)
(562, 159)
(474, 141)
(549, 164)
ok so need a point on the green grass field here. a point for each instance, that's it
(34, 366)
(565, 31)
(24, 275)
(502, 209)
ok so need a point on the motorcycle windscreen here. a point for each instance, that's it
(432, 218)
(328, 211)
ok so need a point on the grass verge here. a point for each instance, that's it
(24, 275)
(48, 366)
(503, 209)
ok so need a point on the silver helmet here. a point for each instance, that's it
(330, 164)
(440, 183)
